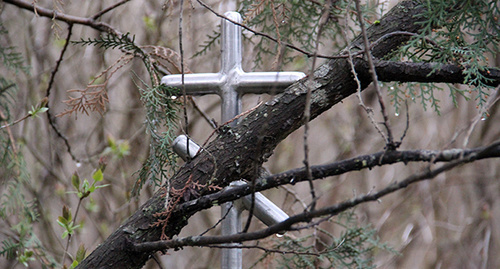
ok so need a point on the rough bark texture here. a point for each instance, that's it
(236, 152)
(425, 72)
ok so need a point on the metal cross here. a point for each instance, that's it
(230, 84)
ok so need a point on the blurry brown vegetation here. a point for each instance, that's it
(451, 221)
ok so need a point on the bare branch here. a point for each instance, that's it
(307, 216)
(368, 110)
(53, 14)
(342, 167)
(108, 9)
(390, 144)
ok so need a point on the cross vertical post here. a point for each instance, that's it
(230, 84)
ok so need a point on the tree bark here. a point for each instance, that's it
(238, 152)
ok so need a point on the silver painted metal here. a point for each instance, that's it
(265, 210)
(230, 84)
(180, 147)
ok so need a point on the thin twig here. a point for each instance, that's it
(269, 250)
(56, 15)
(257, 33)
(341, 167)
(295, 196)
(306, 216)
(15, 122)
(407, 123)
(219, 221)
(307, 110)
(480, 116)
(51, 118)
(69, 234)
(204, 115)
(390, 140)
(108, 9)
(9, 132)
(184, 95)
(158, 261)
(368, 110)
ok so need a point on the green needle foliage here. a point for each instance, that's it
(465, 33)
(14, 63)
(11, 59)
(16, 210)
(294, 22)
(298, 23)
(161, 105)
(124, 42)
(20, 214)
(212, 39)
(354, 247)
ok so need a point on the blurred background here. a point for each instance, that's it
(451, 221)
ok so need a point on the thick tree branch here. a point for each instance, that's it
(490, 151)
(426, 72)
(53, 14)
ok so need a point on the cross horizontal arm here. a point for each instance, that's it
(196, 84)
(266, 82)
(255, 82)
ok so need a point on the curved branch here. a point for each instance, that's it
(50, 117)
(53, 14)
(490, 151)
(108, 9)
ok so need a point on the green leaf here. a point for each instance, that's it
(80, 253)
(66, 214)
(85, 185)
(97, 176)
(62, 221)
(75, 181)
(65, 234)
(32, 112)
(25, 257)
(102, 186)
(74, 264)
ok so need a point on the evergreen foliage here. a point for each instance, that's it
(465, 33)
(354, 247)
(293, 22)
(11, 59)
(212, 39)
(20, 214)
(460, 32)
(124, 42)
(17, 211)
(298, 23)
(161, 106)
